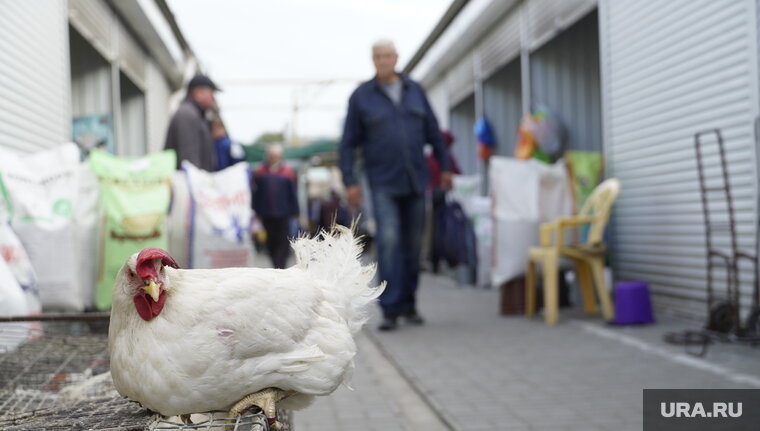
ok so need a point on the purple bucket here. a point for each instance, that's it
(632, 303)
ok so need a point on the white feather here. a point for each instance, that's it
(227, 333)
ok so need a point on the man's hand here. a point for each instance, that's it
(446, 181)
(354, 196)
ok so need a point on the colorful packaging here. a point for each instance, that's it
(39, 193)
(220, 207)
(135, 195)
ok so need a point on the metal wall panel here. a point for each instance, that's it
(502, 100)
(439, 102)
(546, 18)
(500, 45)
(565, 79)
(156, 106)
(464, 148)
(90, 78)
(132, 133)
(95, 21)
(460, 80)
(34, 75)
(132, 58)
(672, 69)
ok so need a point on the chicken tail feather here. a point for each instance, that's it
(334, 258)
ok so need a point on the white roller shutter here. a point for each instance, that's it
(131, 58)
(156, 106)
(548, 17)
(464, 148)
(460, 80)
(34, 75)
(439, 102)
(671, 69)
(500, 45)
(95, 22)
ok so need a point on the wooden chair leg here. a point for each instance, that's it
(587, 286)
(551, 294)
(597, 270)
(530, 289)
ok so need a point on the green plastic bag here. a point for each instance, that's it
(585, 173)
(135, 194)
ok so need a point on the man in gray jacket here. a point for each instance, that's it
(189, 133)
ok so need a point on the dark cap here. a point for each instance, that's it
(202, 81)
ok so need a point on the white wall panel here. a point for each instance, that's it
(671, 69)
(34, 75)
(157, 99)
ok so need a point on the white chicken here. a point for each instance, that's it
(189, 341)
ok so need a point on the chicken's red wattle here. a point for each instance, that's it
(147, 308)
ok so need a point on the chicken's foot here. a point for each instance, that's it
(266, 400)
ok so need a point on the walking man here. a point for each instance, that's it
(276, 203)
(390, 120)
(189, 134)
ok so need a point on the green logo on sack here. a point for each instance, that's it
(62, 207)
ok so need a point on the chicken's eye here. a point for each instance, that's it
(131, 274)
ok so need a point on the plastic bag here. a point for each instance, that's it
(15, 257)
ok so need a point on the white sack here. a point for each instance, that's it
(41, 196)
(525, 194)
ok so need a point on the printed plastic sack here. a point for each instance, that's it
(15, 257)
(221, 217)
(135, 197)
(39, 192)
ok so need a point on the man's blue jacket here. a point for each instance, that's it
(391, 138)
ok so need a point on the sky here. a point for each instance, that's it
(272, 56)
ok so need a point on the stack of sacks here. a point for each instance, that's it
(135, 199)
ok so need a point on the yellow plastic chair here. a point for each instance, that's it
(588, 256)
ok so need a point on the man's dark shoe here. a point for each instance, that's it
(389, 323)
(414, 318)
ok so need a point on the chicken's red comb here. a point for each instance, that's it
(144, 268)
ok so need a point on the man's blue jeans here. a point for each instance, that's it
(400, 222)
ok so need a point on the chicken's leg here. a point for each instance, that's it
(266, 400)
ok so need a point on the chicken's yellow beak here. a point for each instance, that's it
(152, 289)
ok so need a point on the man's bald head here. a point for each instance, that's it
(274, 154)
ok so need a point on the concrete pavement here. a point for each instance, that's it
(471, 369)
